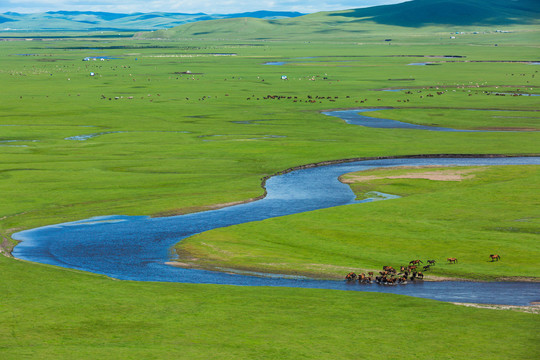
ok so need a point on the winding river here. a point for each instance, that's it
(138, 247)
(355, 117)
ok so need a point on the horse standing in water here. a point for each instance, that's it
(495, 257)
(350, 276)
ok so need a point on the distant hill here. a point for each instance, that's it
(95, 21)
(350, 23)
(420, 13)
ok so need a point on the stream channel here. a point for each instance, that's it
(138, 247)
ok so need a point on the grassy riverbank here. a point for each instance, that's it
(179, 126)
(468, 213)
(59, 314)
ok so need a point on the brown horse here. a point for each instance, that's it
(495, 257)
(415, 262)
(350, 276)
(452, 260)
(431, 262)
(361, 277)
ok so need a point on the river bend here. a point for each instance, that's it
(137, 247)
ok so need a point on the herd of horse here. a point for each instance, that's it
(390, 276)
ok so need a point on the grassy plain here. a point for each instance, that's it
(183, 125)
(51, 313)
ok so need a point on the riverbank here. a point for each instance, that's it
(530, 309)
(187, 262)
(196, 209)
(202, 251)
(217, 252)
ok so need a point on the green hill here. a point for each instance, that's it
(350, 23)
(94, 21)
(420, 13)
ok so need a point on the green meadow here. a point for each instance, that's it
(185, 123)
(467, 213)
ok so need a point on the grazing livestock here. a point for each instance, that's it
(452, 260)
(431, 262)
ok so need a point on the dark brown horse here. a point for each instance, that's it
(350, 276)
(452, 260)
(495, 257)
(415, 262)
(431, 262)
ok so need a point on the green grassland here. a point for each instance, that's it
(490, 211)
(168, 133)
(50, 313)
(471, 119)
(183, 124)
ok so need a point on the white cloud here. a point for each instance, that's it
(184, 6)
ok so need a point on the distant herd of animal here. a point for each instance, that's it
(390, 276)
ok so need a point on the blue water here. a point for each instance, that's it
(137, 247)
(515, 94)
(88, 58)
(90, 136)
(423, 64)
(354, 117)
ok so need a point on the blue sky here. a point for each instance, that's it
(185, 6)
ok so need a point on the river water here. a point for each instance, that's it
(356, 117)
(138, 247)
